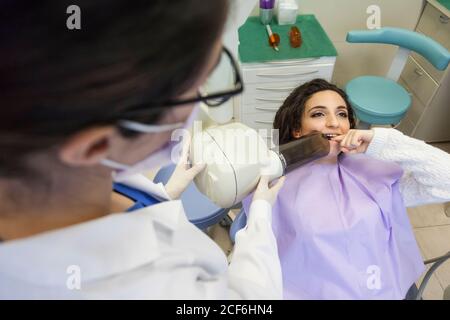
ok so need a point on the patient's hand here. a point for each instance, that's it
(355, 141)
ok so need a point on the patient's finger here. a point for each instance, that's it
(349, 141)
(345, 142)
(338, 138)
(356, 140)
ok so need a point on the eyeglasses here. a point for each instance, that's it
(222, 84)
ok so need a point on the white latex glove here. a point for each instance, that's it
(183, 173)
(264, 192)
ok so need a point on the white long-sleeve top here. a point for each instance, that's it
(151, 253)
(426, 177)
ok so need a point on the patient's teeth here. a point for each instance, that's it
(329, 136)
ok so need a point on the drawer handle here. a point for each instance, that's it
(418, 72)
(292, 62)
(287, 74)
(443, 19)
(267, 109)
(288, 89)
(264, 121)
(269, 100)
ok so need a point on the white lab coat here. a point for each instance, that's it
(151, 253)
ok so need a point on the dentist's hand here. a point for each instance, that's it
(264, 192)
(355, 141)
(183, 173)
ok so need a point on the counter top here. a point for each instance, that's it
(254, 44)
(441, 5)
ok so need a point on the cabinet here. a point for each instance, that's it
(429, 116)
(267, 83)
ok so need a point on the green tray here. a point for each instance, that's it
(445, 3)
(254, 44)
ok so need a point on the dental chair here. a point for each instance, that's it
(382, 101)
(241, 220)
(199, 209)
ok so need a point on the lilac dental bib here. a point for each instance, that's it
(343, 233)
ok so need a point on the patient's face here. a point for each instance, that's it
(326, 112)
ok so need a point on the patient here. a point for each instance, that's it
(340, 221)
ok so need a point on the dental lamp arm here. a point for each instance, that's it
(426, 177)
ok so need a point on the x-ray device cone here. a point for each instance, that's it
(236, 156)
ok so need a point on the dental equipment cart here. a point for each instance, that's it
(269, 76)
(429, 116)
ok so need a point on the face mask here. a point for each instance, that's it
(162, 157)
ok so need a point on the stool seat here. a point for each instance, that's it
(378, 100)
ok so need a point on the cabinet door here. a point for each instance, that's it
(434, 124)
(277, 92)
(405, 126)
(419, 81)
(294, 74)
(416, 109)
(436, 25)
(259, 120)
(436, 74)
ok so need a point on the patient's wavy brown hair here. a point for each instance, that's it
(288, 117)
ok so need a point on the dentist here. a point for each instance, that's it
(81, 106)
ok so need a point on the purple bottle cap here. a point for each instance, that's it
(266, 4)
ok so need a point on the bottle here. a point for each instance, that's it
(287, 11)
(266, 11)
(295, 37)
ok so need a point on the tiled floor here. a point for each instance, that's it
(432, 229)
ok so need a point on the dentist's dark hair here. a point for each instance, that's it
(55, 82)
(288, 117)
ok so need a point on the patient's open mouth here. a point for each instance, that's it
(329, 136)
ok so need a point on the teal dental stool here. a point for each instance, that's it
(382, 101)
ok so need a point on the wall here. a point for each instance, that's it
(338, 17)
